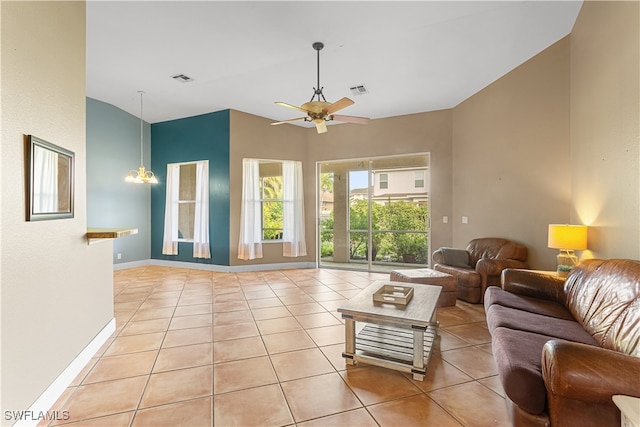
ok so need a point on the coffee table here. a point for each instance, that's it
(394, 336)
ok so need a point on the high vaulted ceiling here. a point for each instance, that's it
(411, 56)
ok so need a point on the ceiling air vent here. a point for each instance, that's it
(358, 90)
(182, 78)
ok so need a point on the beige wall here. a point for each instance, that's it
(56, 290)
(605, 142)
(511, 156)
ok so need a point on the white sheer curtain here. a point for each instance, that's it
(250, 242)
(294, 244)
(170, 240)
(201, 223)
(45, 182)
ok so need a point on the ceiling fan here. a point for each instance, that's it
(320, 111)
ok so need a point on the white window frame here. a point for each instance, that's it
(201, 237)
(251, 213)
(264, 200)
(184, 202)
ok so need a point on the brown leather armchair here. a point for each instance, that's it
(480, 264)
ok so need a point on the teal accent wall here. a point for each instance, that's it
(204, 137)
(113, 149)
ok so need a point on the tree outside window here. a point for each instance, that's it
(272, 207)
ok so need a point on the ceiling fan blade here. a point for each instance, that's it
(284, 104)
(350, 119)
(321, 126)
(288, 121)
(339, 105)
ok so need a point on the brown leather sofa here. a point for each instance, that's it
(480, 264)
(564, 348)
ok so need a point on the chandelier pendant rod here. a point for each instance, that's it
(141, 131)
(141, 175)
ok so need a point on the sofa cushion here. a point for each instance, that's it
(465, 276)
(487, 247)
(495, 295)
(455, 257)
(500, 316)
(518, 357)
(604, 295)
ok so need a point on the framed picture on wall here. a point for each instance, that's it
(49, 179)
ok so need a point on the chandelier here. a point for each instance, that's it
(141, 176)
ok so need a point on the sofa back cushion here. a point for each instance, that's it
(604, 296)
(495, 248)
(455, 257)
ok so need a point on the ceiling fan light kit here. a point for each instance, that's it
(320, 111)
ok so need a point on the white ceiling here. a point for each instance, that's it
(412, 56)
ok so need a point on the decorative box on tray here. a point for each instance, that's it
(394, 294)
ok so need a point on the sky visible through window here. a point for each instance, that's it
(357, 179)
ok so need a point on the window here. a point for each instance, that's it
(186, 217)
(384, 181)
(186, 202)
(368, 228)
(272, 207)
(271, 200)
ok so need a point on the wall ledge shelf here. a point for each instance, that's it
(97, 235)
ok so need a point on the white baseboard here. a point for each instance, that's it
(231, 268)
(46, 400)
(132, 264)
(278, 266)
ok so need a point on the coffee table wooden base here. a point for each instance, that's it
(394, 336)
(388, 346)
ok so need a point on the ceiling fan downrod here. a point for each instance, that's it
(317, 91)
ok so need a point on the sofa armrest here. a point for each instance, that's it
(536, 284)
(451, 256)
(493, 267)
(588, 373)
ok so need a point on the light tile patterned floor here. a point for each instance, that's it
(196, 348)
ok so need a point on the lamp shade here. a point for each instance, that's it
(563, 236)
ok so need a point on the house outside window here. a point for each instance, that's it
(419, 179)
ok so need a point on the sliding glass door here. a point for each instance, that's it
(374, 213)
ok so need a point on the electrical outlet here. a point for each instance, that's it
(445, 219)
(465, 219)
(119, 256)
